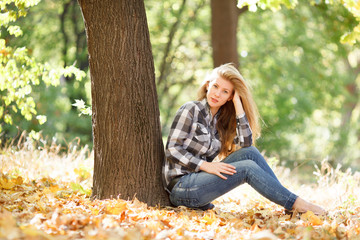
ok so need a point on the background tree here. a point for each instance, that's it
(224, 28)
(127, 137)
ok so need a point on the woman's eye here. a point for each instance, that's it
(215, 86)
(226, 92)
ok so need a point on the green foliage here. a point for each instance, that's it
(294, 60)
(352, 6)
(180, 38)
(300, 74)
(20, 72)
(264, 4)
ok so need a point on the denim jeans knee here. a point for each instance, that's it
(247, 153)
(251, 153)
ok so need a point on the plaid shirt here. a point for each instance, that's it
(193, 138)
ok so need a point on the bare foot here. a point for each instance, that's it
(303, 206)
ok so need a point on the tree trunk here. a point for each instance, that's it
(224, 22)
(126, 126)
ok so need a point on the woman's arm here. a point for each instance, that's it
(243, 131)
(238, 105)
(179, 133)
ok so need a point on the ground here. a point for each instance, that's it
(44, 194)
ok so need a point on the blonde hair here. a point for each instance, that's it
(226, 124)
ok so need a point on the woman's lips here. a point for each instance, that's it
(214, 100)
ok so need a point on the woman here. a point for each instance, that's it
(224, 122)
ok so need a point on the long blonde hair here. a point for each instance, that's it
(226, 124)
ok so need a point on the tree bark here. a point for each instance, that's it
(224, 22)
(126, 126)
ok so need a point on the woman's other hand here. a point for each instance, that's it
(237, 104)
(217, 168)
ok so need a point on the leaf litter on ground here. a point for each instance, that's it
(46, 195)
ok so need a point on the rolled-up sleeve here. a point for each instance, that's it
(179, 132)
(243, 132)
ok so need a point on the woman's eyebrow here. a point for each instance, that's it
(226, 89)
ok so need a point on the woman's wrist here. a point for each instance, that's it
(238, 105)
(239, 110)
(203, 165)
(240, 115)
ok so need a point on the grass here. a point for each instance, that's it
(44, 194)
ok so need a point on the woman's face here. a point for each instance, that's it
(219, 92)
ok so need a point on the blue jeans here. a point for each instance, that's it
(198, 189)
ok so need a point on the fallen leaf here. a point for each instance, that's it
(116, 208)
(209, 218)
(18, 181)
(310, 217)
(6, 184)
(255, 228)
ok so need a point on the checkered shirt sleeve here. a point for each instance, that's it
(243, 132)
(179, 132)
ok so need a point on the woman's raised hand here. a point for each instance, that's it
(236, 98)
(217, 168)
(237, 104)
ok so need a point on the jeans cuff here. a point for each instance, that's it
(290, 202)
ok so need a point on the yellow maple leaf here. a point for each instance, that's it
(5, 184)
(209, 218)
(51, 189)
(116, 208)
(180, 231)
(310, 217)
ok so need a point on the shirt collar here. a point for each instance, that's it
(207, 108)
